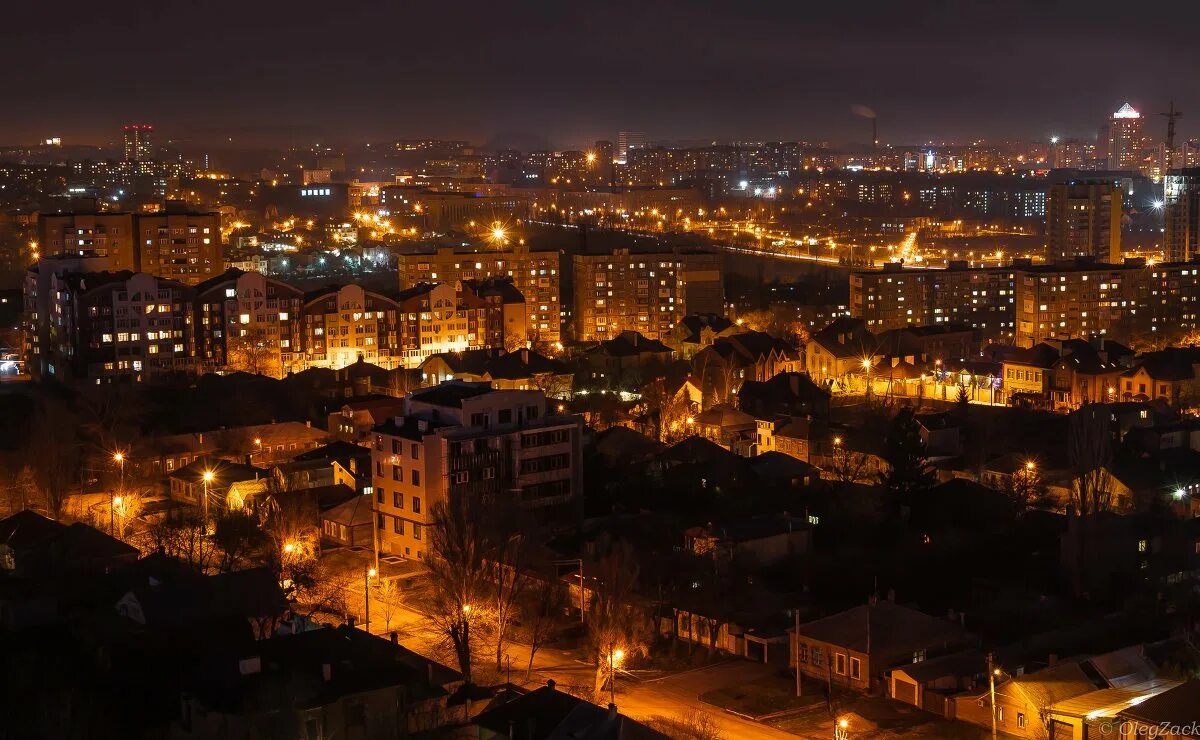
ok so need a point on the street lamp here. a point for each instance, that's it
(207, 478)
(119, 459)
(368, 574)
(117, 503)
(615, 656)
(841, 730)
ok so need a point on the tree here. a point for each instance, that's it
(54, 454)
(1025, 489)
(848, 466)
(509, 554)
(239, 540)
(1089, 445)
(23, 492)
(387, 594)
(615, 621)
(254, 351)
(688, 726)
(458, 579)
(183, 537)
(539, 616)
(908, 470)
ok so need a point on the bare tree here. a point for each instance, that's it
(509, 557)
(254, 351)
(54, 454)
(849, 466)
(183, 537)
(688, 726)
(540, 616)
(239, 540)
(387, 594)
(458, 577)
(615, 621)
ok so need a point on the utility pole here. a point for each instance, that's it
(991, 669)
(796, 652)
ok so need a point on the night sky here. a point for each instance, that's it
(538, 73)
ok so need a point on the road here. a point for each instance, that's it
(670, 696)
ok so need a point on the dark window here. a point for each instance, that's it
(416, 477)
(416, 504)
(505, 416)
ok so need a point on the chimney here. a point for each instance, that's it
(395, 638)
(550, 684)
(350, 621)
(612, 710)
(327, 671)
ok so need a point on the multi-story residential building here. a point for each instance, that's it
(112, 236)
(249, 322)
(645, 293)
(1084, 220)
(344, 324)
(897, 297)
(1181, 214)
(41, 327)
(110, 327)
(139, 142)
(467, 441)
(437, 318)
(1079, 299)
(175, 243)
(180, 244)
(535, 274)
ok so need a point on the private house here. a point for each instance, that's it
(258, 444)
(857, 648)
(694, 332)
(520, 370)
(929, 343)
(1085, 373)
(547, 713)
(788, 393)
(762, 540)
(835, 355)
(351, 458)
(1173, 708)
(1026, 373)
(354, 421)
(931, 684)
(733, 360)
(331, 682)
(795, 436)
(31, 544)
(215, 477)
(627, 358)
(732, 429)
(348, 524)
(940, 433)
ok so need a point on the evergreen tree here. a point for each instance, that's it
(908, 472)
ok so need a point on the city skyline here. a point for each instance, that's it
(261, 74)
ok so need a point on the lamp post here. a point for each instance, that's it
(841, 729)
(119, 459)
(993, 671)
(117, 502)
(207, 478)
(615, 656)
(866, 366)
(368, 574)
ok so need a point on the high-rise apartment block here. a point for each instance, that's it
(535, 274)
(1124, 138)
(466, 441)
(175, 243)
(1027, 303)
(138, 140)
(627, 141)
(647, 293)
(1181, 214)
(1084, 220)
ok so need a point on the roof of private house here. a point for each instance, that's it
(549, 714)
(352, 513)
(28, 529)
(1084, 359)
(629, 344)
(931, 330)
(782, 393)
(696, 449)
(1056, 683)
(1164, 471)
(467, 362)
(623, 443)
(884, 626)
(964, 663)
(1043, 356)
(936, 421)
(371, 403)
(83, 542)
(336, 450)
(902, 370)
(224, 472)
(522, 364)
(1173, 363)
(253, 592)
(757, 344)
(773, 465)
(1007, 463)
(695, 323)
(796, 427)
(846, 337)
(724, 415)
(363, 369)
(327, 497)
(1174, 706)
(1109, 702)
(450, 393)
(1124, 667)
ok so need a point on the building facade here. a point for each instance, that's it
(1181, 214)
(1084, 220)
(466, 440)
(645, 293)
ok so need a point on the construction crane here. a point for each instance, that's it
(1171, 115)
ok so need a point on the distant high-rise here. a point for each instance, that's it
(138, 146)
(627, 140)
(1125, 139)
(1084, 219)
(1181, 214)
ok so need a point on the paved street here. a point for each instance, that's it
(670, 696)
